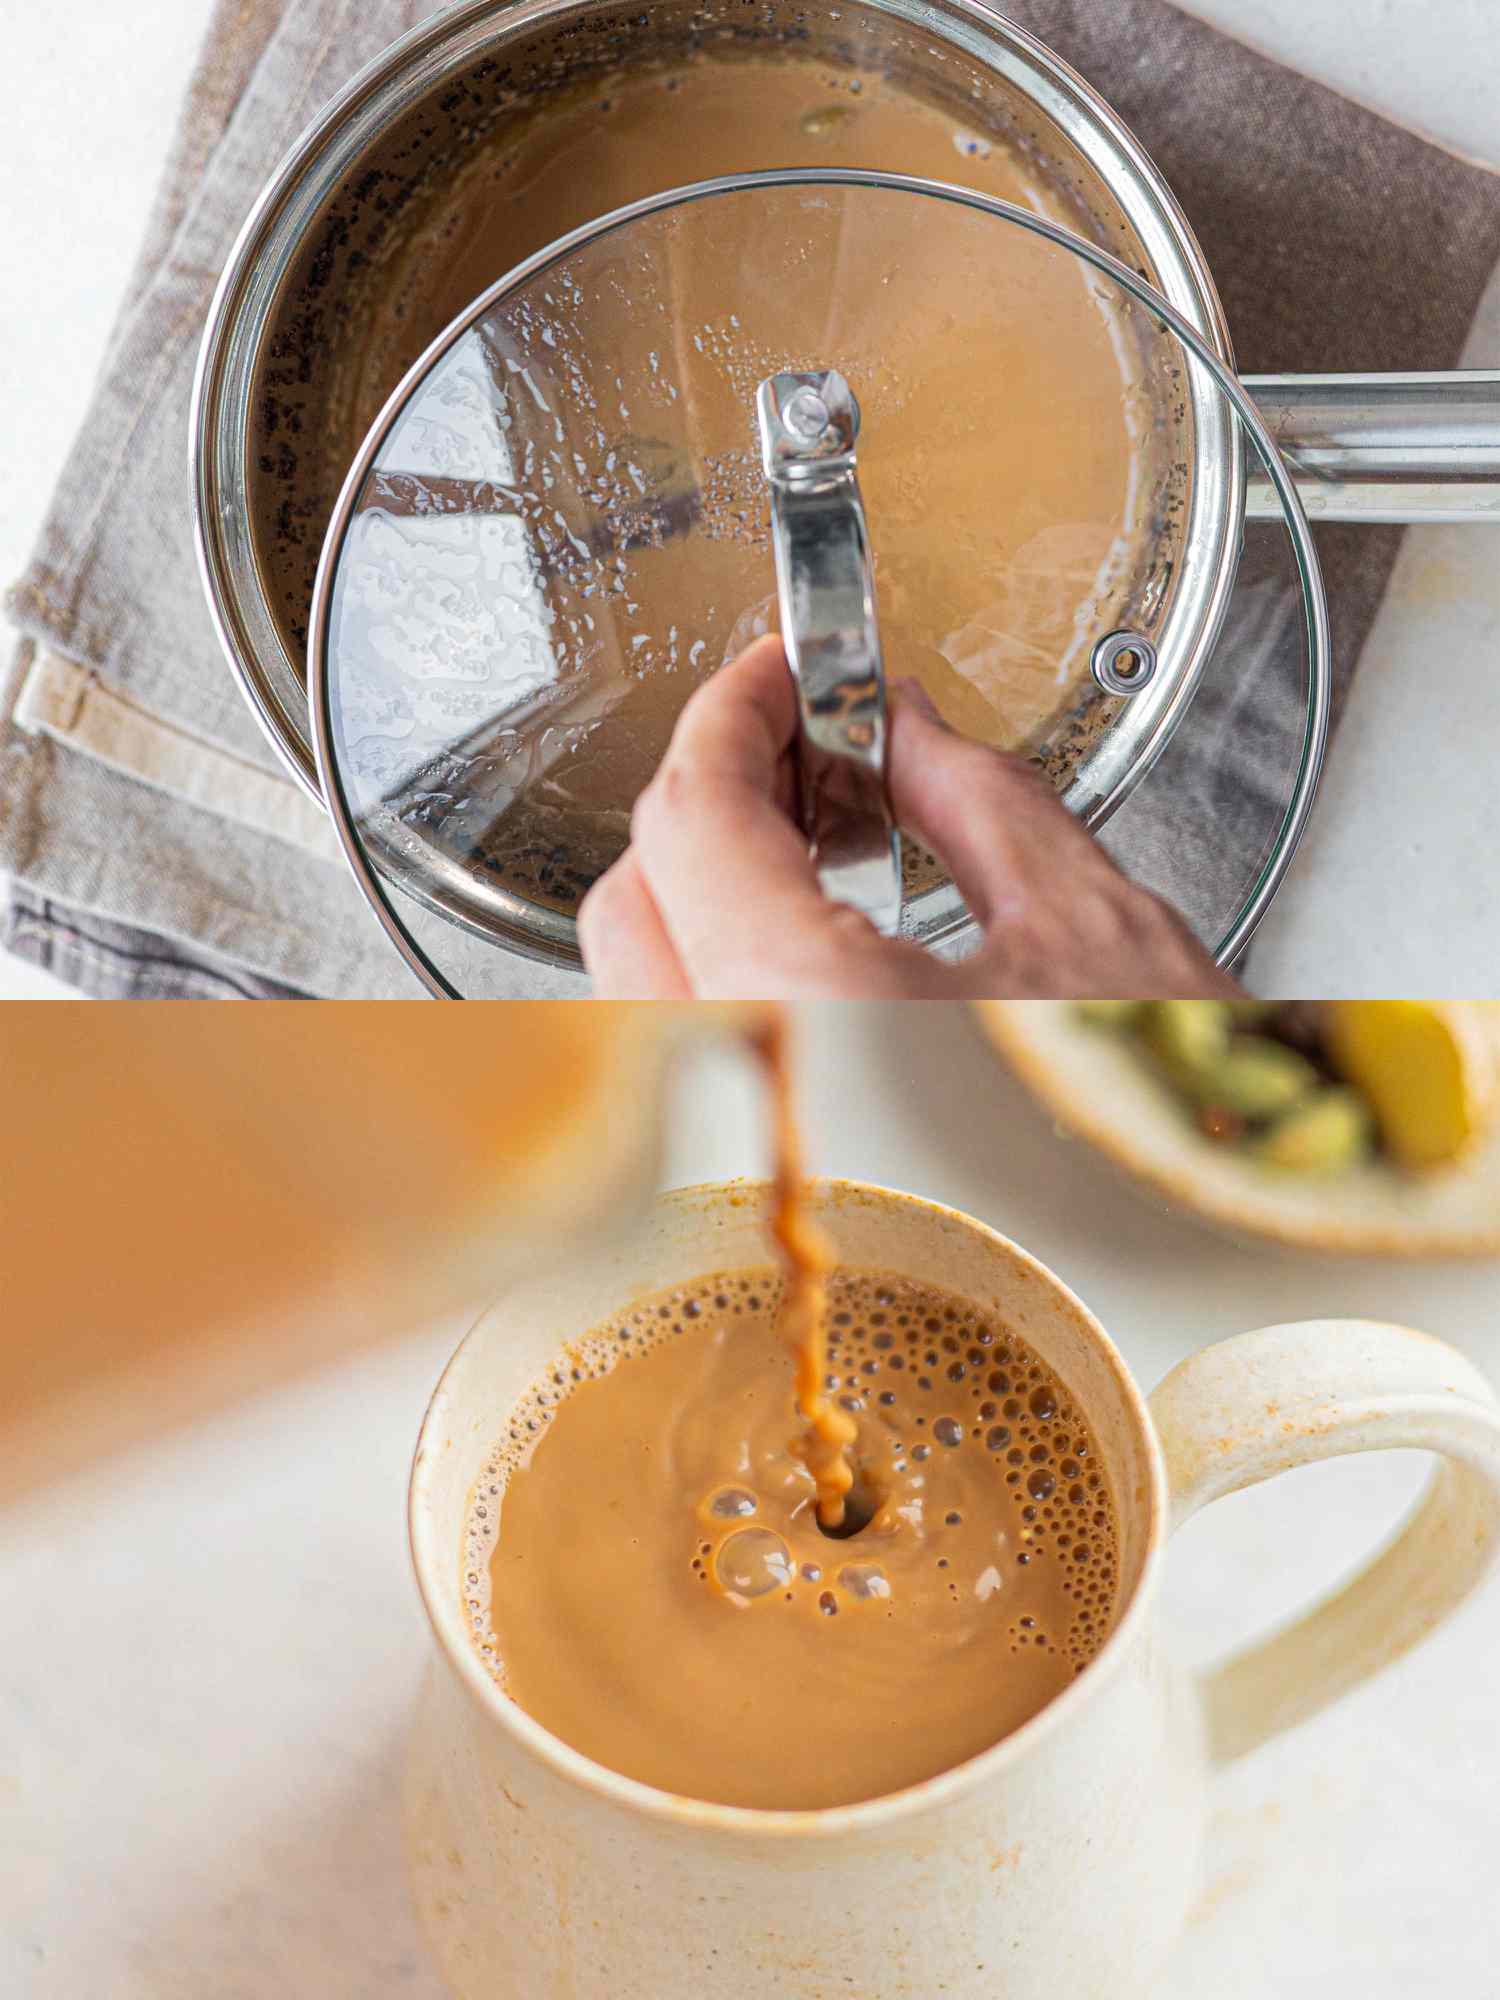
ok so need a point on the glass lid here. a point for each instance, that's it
(921, 432)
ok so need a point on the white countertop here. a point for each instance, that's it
(207, 1655)
(1396, 889)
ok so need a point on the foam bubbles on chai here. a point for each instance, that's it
(646, 1574)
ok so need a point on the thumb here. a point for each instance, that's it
(990, 817)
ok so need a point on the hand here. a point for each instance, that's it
(717, 897)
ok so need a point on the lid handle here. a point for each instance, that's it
(825, 583)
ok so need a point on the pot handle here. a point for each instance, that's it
(1248, 1408)
(1394, 448)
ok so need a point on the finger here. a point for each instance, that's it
(1105, 939)
(744, 716)
(992, 820)
(1061, 919)
(730, 874)
(763, 668)
(1113, 942)
(625, 945)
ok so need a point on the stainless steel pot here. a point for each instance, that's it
(429, 97)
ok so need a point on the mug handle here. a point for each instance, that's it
(1248, 1408)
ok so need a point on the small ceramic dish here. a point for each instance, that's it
(1096, 1085)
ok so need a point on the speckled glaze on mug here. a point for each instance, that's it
(1065, 1858)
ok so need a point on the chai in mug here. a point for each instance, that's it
(672, 1605)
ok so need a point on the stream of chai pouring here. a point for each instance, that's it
(807, 1257)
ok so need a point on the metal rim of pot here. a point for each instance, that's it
(1221, 377)
(419, 63)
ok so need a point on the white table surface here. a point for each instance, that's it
(208, 1653)
(1396, 889)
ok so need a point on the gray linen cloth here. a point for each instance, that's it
(154, 844)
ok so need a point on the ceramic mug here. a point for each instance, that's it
(539, 1873)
